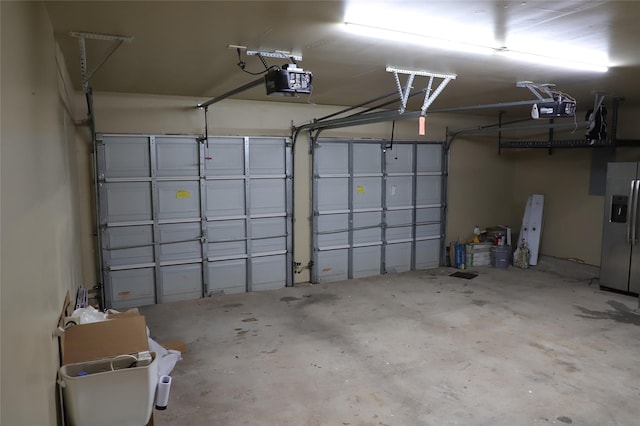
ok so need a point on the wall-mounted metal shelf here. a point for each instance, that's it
(566, 143)
(551, 143)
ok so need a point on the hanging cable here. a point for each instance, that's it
(242, 64)
(393, 130)
(266, 67)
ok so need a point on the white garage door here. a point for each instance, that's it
(375, 210)
(181, 219)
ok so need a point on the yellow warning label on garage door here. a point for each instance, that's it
(181, 193)
(360, 189)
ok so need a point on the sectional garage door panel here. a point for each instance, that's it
(376, 208)
(269, 235)
(333, 194)
(267, 157)
(427, 223)
(125, 157)
(429, 158)
(427, 254)
(129, 245)
(225, 157)
(182, 218)
(367, 193)
(334, 158)
(126, 202)
(332, 230)
(398, 257)
(225, 198)
(367, 228)
(267, 197)
(131, 287)
(228, 276)
(250, 233)
(399, 226)
(268, 272)
(178, 200)
(181, 282)
(177, 157)
(399, 159)
(428, 190)
(366, 261)
(399, 192)
(331, 265)
(227, 239)
(366, 160)
(180, 242)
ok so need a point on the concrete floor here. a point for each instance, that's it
(509, 347)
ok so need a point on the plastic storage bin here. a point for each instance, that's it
(109, 392)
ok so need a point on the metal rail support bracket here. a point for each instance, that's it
(428, 96)
(537, 89)
(86, 73)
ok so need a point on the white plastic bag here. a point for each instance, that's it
(89, 314)
(167, 358)
(521, 256)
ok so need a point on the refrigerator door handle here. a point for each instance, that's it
(631, 213)
(634, 218)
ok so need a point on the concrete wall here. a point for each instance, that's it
(40, 242)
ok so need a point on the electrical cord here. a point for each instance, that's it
(393, 132)
(263, 61)
(242, 64)
(309, 97)
(566, 96)
(123, 356)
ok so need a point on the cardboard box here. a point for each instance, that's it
(88, 342)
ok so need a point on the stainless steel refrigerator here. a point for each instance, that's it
(620, 262)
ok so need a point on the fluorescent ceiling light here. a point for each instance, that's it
(534, 50)
(418, 39)
(567, 63)
(554, 53)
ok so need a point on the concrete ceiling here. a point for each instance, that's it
(180, 47)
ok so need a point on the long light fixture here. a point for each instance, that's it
(555, 61)
(419, 39)
(543, 54)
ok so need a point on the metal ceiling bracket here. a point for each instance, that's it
(278, 54)
(404, 94)
(428, 97)
(82, 36)
(537, 89)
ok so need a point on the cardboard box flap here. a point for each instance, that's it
(88, 342)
